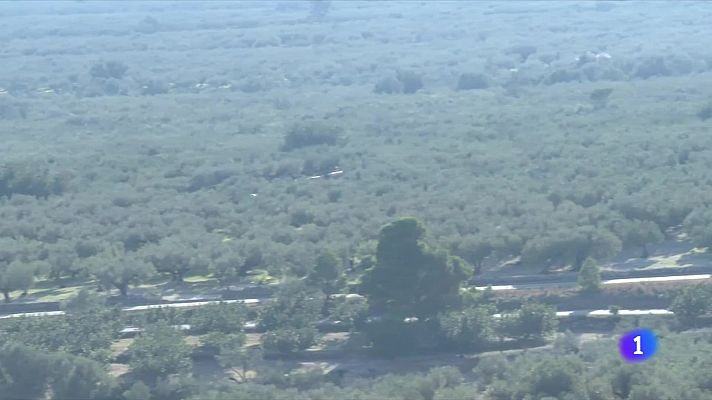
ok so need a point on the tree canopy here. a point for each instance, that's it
(410, 278)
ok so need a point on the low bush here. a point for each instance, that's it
(310, 134)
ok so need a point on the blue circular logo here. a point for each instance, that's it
(638, 345)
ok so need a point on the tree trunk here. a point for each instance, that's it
(579, 262)
(123, 288)
(325, 306)
(177, 276)
(478, 268)
(645, 253)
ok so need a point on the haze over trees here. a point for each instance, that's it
(297, 151)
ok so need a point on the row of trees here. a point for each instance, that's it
(412, 299)
(415, 299)
(571, 370)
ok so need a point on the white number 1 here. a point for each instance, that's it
(637, 351)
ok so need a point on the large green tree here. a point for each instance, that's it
(158, 352)
(119, 270)
(411, 278)
(589, 276)
(469, 329)
(327, 274)
(180, 255)
(87, 329)
(692, 303)
(28, 373)
(532, 321)
(290, 319)
(638, 233)
(474, 249)
(16, 275)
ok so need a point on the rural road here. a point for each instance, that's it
(559, 314)
(569, 281)
(519, 283)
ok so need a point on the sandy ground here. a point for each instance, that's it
(349, 364)
(668, 254)
(678, 252)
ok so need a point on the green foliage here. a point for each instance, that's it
(388, 85)
(15, 275)
(410, 278)
(241, 361)
(191, 146)
(224, 318)
(289, 339)
(638, 233)
(137, 391)
(404, 81)
(571, 247)
(301, 217)
(554, 377)
(319, 8)
(86, 330)
(177, 256)
(393, 337)
(327, 274)
(410, 81)
(295, 305)
(29, 374)
(223, 341)
(119, 270)
(469, 329)
(108, 69)
(24, 371)
(530, 322)
(470, 81)
(291, 317)
(698, 223)
(589, 276)
(310, 134)
(228, 268)
(31, 180)
(474, 250)
(599, 97)
(350, 310)
(159, 352)
(80, 378)
(692, 303)
(705, 112)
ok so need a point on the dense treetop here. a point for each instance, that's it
(153, 144)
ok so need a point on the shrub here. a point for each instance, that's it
(108, 69)
(589, 277)
(469, 329)
(30, 180)
(208, 179)
(392, 337)
(411, 81)
(562, 75)
(705, 112)
(153, 87)
(319, 8)
(223, 318)
(469, 81)
(404, 81)
(599, 97)
(523, 51)
(651, 66)
(310, 134)
(388, 85)
(288, 340)
(301, 217)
